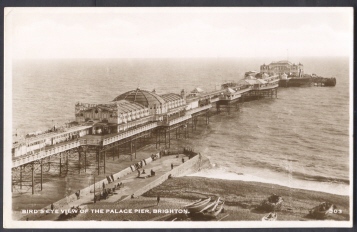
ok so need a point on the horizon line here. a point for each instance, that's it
(228, 57)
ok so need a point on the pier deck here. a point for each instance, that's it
(77, 153)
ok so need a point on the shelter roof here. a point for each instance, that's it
(197, 90)
(171, 97)
(229, 90)
(262, 81)
(252, 82)
(125, 106)
(281, 62)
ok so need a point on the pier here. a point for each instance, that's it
(118, 129)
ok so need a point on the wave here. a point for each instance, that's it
(316, 183)
(304, 176)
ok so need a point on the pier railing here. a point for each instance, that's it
(44, 153)
(174, 121)
(130, 133)
(215, 99)
(229, 97)
(70, 145)
(199, 109)
(268, 87)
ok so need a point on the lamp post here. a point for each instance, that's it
(94, 198)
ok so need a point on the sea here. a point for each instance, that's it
(300, 139)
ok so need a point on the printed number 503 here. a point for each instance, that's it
(335, 211)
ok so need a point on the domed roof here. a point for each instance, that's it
(142, 97)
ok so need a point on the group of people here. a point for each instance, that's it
(106, 192)
(138, 165)
(110, 178)
(152, 173)
(189, 152)
(154, 157)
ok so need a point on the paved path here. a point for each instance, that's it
(131, 184)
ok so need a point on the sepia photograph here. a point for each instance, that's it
(178, 117)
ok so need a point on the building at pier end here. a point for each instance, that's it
(283, 67)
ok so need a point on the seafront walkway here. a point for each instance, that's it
(131, 183)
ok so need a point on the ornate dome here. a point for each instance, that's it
(142, 97)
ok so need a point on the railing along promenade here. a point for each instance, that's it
(66, 146)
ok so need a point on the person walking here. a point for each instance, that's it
(158, 199)
(172, 166)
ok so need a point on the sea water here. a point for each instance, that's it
(300, 139)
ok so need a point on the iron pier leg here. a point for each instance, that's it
(79, 161)
(41, 174)
(159, 138)
(60, 164)
(207, 117)
(21, 176)
(12, 181)
(135, 146)
(98, 159)
(188, 130)
(169, 138)
(131, 146)
(105, 157)
(67, 163)
(156, 139)
(33, 177)
(131, 150)
(85, 160)
(118, 151)
(165, 137)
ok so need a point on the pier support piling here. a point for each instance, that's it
(135, 146)
(98, 160)
(33, 177)
(118, 151)
(67, 163)
(21, 167)
(165, 137)
(79, 160)
(105, 157)
(169, 138)
(85, 160)
(60, 164)
(41, 173)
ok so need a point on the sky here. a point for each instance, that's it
(32, 33)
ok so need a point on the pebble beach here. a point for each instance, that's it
(241, 201)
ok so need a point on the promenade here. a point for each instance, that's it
(131, 183)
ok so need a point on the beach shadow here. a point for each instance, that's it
(258, 210)
(88, 203)
(149, 206)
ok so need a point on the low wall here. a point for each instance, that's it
(98, 185)
(191, 165)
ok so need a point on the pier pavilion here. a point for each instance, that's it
(283, 66)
